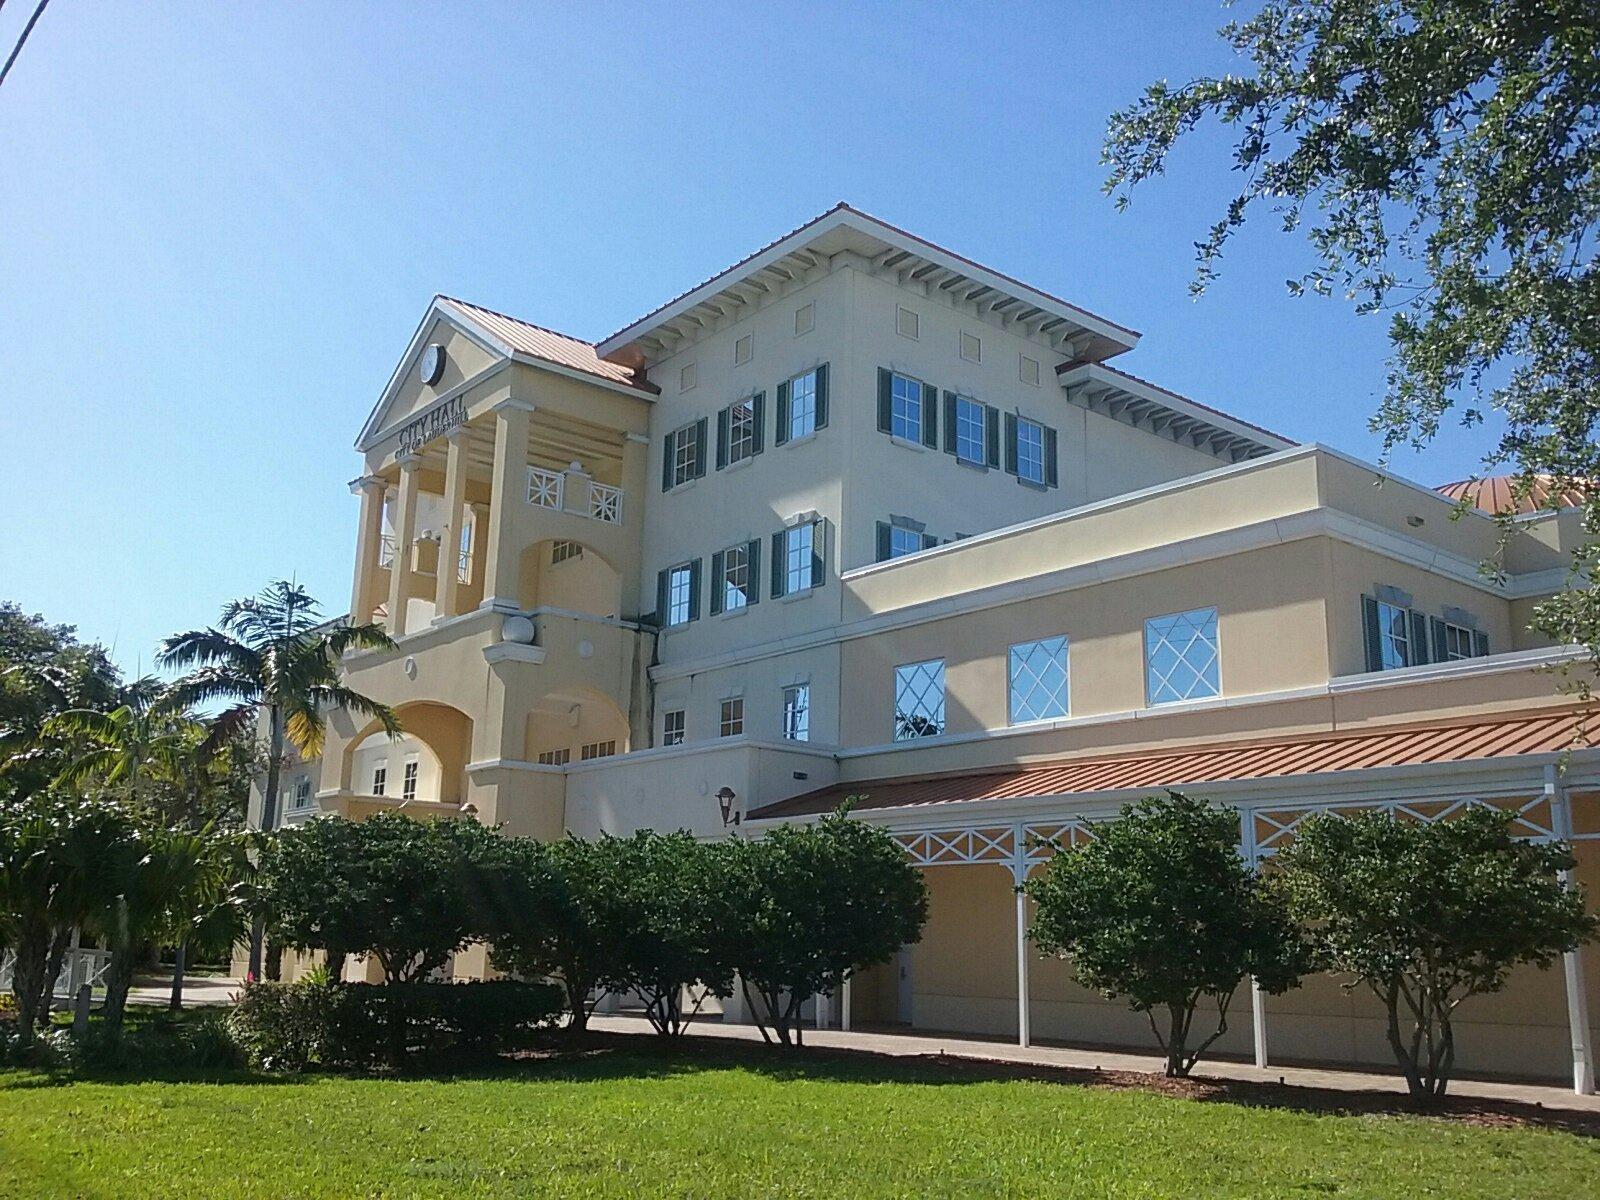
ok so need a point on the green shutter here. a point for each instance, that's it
(694, 586)
(777, 564)
(716, 583)
(991, 440)
(700, 448)
(781, 435)
(1052, 477)
(1480, 644)
(929, 541)
(758, 419)
(661, 598)
(819, 565)
(752, 550)
(930, 415)
(723, 418)
(1417, 623)
(1441, 642)
(885, 400)
(1372, 635)
(1011, 443)
(885, 544)
(666, 464)
(822, 396)
(950, 422)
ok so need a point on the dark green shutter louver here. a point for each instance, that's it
(991, 440)
(929, 541)
(819, 566)
(781, 434)
(723, 418)
(1480, 644)
(694, 587)
(752, 550)
(1417, 623)
(1011, 443)
(822, 396)
(1441, 640)
(950, 423)
(758, 422)
(1372, 635)
(885, 400)
(661, 597)
(885, 541)
(1052, 477)
(666, 464)
(930, 416)
(700, 448)
(777, 565)
(717, 586)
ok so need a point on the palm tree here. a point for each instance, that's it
(130, 749)
(273, 659)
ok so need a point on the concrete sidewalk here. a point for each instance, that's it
(915, 1044)
(197, 990)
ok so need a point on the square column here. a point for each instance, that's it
(405, 534)
(447, 586)
(508, 493)
(369, 537)
(1572, 968)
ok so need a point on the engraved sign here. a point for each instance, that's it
(434, 423)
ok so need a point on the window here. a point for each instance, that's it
(899, 536)
(561, 550)
(919, 700)
(1394, 637)
(971, 347)
(740, 439)
(805, 319)
(1038, 673)
(672, 728)
(300, 794)
(905, 413)
(731, 723)
(903, 541)
(556, 758)
(1028, 369)
(684, 453)
(971, 419)
(1461, 641)
(688, 376)
(797, 712)
(680, 594)
(1180, 654)
(380, 779)
(906, 323)
(798, 543)
(598, 750)
(802, 418)
(744, 349)
(464, 554)
(408, 781)
(733, 581)
(1030, 451)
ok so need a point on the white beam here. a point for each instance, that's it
(844, 1006)
(1572, 961)
(1020, 874)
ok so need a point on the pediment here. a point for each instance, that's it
(466, 355)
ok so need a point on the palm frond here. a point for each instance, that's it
(208, 648)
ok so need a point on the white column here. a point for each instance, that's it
(369, 540)
(447, 583)
(1258, 999)
(1024, 1035)
(844, 1006)
(509, 492)
(1572, 960)
(821, 1002)
(405, 533)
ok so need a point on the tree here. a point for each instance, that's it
(1428, 915)
(1160, 907)
(273, 660)
(1451, 153)
(810, 906)
(409, 893)
(129, 750)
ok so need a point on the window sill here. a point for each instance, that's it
(802, 594)
(1029, 483)
(801, 440)
(682, 487)
(734, 612)
(740, 463)
(973, 464)
(907, 444)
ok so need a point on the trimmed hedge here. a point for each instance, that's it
(359, 1026)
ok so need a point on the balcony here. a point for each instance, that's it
(573, 491)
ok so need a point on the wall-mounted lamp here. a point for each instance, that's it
(1414, 521)
(727, 800)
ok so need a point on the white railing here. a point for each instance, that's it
(464, 567)
(78, 967)
(386, 550)
(545, 487)
(605, 503)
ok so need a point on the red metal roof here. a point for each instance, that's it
(548, 345)
(1546, 732)
(1499, 494)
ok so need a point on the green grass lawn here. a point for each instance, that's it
(635, 1122)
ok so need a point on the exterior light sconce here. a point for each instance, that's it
(726, 798)
(1414, 521)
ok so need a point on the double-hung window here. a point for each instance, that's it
(672, 728)
(797, 558)
(1395, 647)
(684, 455)
(733, 582)
(797, 712)
(408, 781)
(903, 541)
(1038, 680)
(919, 700)
(741, 431)
(300, 794)
(971, 422)
(899, 536)
(802, 405)
(731, 721)
(680, 594)
(1461, 641)
(1181, 657)
(1030, 451)
(907, 401)
(380, 778)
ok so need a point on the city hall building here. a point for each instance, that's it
(859, 517)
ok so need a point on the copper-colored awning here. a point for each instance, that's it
(1410, 745)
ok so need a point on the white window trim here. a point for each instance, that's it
(1011, 719)
(1219, 694)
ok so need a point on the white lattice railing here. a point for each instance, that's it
(605, 503)
(545, 487)
(78, 967)
(386, 550)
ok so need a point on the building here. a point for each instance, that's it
(861, 517)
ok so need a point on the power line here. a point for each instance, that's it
(26, 30)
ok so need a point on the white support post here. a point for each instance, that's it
(844, 1006)
(821, 1002)
(1572, 960)
(1024, 1034)
(1258, 999)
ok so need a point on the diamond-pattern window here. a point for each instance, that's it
(1181, 656)
(1039, 680)
(919, 700)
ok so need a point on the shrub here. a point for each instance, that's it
(359, 1026)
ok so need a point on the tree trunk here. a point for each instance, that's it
(274, 963)
(269, 817)
(59, 945)
(179, 959)
(27, 980)
(1390, 996)
(119, 977)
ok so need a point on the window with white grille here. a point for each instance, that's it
(562, 550)
(797, 712)
(971, 421)
(1030, 450)
(685, 450)
(680, 592)
(906, 398)
(1181, 656)
(408, 781)
(741, 431)
(380, 779)
(735, 582)
(1038, 674)
(802, 405)
(731, 721)
(672, 727)
(555, 758)
(919, 700)
(592, 750)
(798, 544)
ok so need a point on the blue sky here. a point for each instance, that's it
(219, 225)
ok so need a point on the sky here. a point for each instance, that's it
(221, 223)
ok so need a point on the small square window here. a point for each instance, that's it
(1038, 680)
(797, 712)
(731, 723)
(907, 323)
(555, 758)
(971, 347)
(1180, 653)
(380, 779)
(906, 397)
(688, 376)
(919, 700)
(593, 750)
(744, 349)
(1028, 370)
(672, 728)
(805, 319)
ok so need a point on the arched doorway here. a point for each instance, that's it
(428, 762)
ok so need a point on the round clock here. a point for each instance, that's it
(432, 364)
